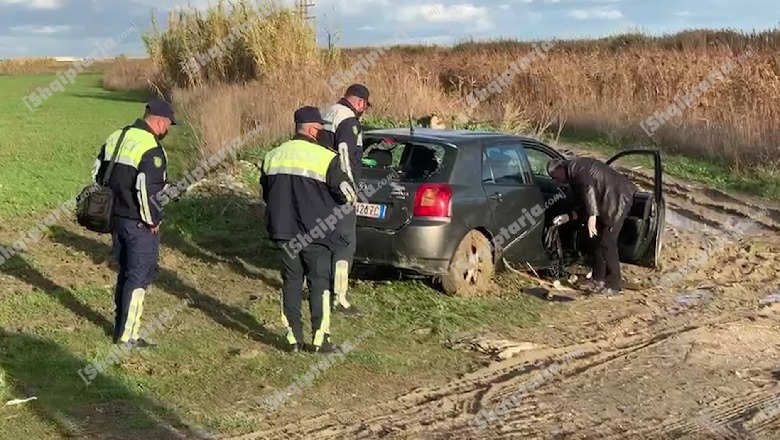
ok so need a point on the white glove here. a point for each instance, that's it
(561, 219)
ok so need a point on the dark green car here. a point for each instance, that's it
(454, 204)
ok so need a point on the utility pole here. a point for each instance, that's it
(302, 7)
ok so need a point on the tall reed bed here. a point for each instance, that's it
(233, 41)
(605, 86)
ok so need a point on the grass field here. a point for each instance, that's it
(218, 356)
(48, 155)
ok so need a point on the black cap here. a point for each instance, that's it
(308, 114)
(358, 90)
(160, 107)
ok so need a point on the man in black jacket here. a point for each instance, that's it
(607, 196)
(304, 190)
(343, 134)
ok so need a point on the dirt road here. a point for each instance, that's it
(693, 352)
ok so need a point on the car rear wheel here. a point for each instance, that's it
(471, 268)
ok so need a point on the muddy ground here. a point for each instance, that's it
(692, 352)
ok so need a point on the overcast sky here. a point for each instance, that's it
(32, 28)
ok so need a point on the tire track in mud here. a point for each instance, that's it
(451, 407)
(697, 200)
(751, 416)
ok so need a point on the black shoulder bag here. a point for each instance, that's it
(96, 202)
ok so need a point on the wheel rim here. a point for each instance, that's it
(472, 266)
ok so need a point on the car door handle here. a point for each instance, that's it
(497, 197)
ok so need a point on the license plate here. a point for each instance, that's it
(370, 210)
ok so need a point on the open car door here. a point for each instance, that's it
(641, 238)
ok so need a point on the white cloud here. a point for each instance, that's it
(34, 4)
(596, 14)
(40, 30)
(504, 7)
(338, 8)
(683, 13)
(465, 13)
(170, 4)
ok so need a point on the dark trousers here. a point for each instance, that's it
(136, 251)
(343, 257)
(313, 262)
(606, 260)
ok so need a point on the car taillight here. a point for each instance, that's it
(432, 200)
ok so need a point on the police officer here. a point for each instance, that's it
(303, 185)
(139, 173)
(344, 134)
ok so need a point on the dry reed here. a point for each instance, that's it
(605, 86)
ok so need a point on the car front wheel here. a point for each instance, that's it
(471, 268)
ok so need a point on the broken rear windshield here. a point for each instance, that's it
(411, 160)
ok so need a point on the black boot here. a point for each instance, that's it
(327, 346)
(607, 292)
(140, 343)
(592, 286)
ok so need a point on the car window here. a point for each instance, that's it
(411, 161)
(538, 160)
(503, 165)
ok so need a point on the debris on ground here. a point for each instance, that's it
(694, 297)
(498, 348)
(20, 401)
(772, 298)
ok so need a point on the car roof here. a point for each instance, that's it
(456, 137)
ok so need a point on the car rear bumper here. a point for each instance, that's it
(424, 247)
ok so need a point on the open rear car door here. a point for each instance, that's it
(641, 238)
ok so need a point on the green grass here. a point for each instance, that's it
(48, 155)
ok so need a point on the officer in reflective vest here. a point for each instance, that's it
(344, 134)
(138, 175)
(305, 191)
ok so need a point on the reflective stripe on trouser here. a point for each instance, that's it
(324, 328)
(313, 262)
(343, 256)
(133, 316)
(136, 251)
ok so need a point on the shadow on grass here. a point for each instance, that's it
(230, 229)
(226, 229)
(22, 270)
(228, 316)
(107, 409)
(121, 96)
